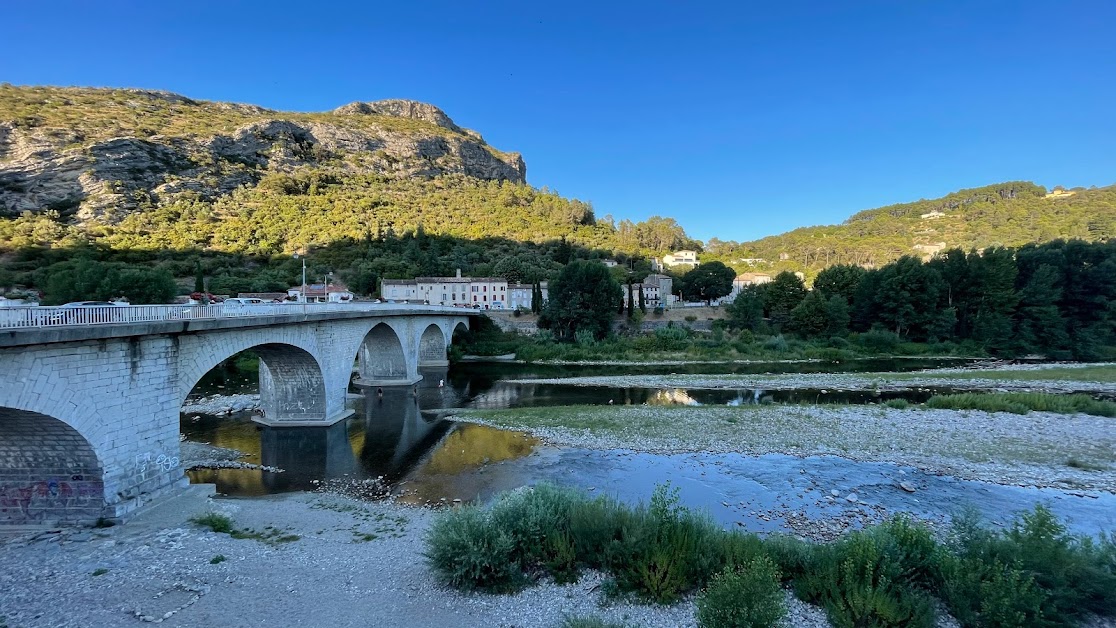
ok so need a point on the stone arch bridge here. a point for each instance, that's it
(89, 415)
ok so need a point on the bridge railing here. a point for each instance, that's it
(40, 316)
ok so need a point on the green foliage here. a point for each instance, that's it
(1021, 403)
(582, 298)
(745, 596)
(897, 404)
(214, 521)
(860, 583)
(219, 558)
(706, 282)
(468, 552)
(781, 296)
(1035, 574)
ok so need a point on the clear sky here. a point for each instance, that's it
(739, 119)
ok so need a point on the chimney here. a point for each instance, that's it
(459, 273)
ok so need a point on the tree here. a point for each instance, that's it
(631, 300)
(746, 311)
(817, 316)
(708, 281)
(781, 296)
(642, 301)
(907, 299)
(199, 277)
(582, 298)
(840, 280)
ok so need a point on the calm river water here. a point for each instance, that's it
(425, 458)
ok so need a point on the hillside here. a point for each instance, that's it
(1006, 214)
(99, 153)
(371, 190)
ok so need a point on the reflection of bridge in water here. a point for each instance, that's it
(393, 433)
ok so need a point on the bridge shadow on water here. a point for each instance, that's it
(394, 430)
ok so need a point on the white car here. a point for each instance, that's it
(236, 301)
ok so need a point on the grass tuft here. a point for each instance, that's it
(1022, 403)
(214, 521)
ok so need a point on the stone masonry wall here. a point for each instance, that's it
(48, 472)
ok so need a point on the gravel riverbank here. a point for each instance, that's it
(963, 379)
(354, 564)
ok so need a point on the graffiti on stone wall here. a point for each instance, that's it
(47, 499)
(151, 462)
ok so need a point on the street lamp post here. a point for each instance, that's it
(302, 295)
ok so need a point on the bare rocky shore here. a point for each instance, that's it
(353, 564)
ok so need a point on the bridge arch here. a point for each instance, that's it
(432, 347)
(292, 385)
(381, 358)
(49, 472)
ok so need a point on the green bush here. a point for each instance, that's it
(879, 340)
(777, 344)
(898, 404)
(746, 596)
(469, 552)
(661, 550)
(214, 521)
(860, 583)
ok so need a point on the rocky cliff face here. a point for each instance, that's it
(96, 154)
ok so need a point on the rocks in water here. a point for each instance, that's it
(906, 486)
(835, 493)
(851, 498)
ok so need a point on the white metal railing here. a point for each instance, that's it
(38, 316)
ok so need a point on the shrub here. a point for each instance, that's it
(746, 596)
(1070, 576)
(898, 404)
(777, 344)
(214, 521)
(860, 584)
(662, 549)
(879, 340)
(469, 552)
(690, 318)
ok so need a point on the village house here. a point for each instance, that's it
(679, 258)
(480, 292)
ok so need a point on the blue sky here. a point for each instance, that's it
(739, 119)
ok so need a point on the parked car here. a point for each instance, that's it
(237, 301)
(81, 312)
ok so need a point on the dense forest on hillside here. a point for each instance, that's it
(1057, 299)
(1007, 214)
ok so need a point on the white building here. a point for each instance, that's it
(656, 290)
(679, 258)
(482, 292)
(520, 294)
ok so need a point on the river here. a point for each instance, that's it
(403, 440)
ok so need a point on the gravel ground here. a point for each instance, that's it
(354, 564)
(845, 381)
(1037, 449)
(205, 456)
(221, 404)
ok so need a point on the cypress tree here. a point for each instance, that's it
(642, 301)
(199, 277)
(631, 300)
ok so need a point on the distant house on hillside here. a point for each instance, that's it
(609, 262)
(520, 295)
(679, 258)
(932, 215)
(1060, 193)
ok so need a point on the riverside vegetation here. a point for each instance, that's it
(1031, 574)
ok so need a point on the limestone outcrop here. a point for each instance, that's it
(146, 148)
